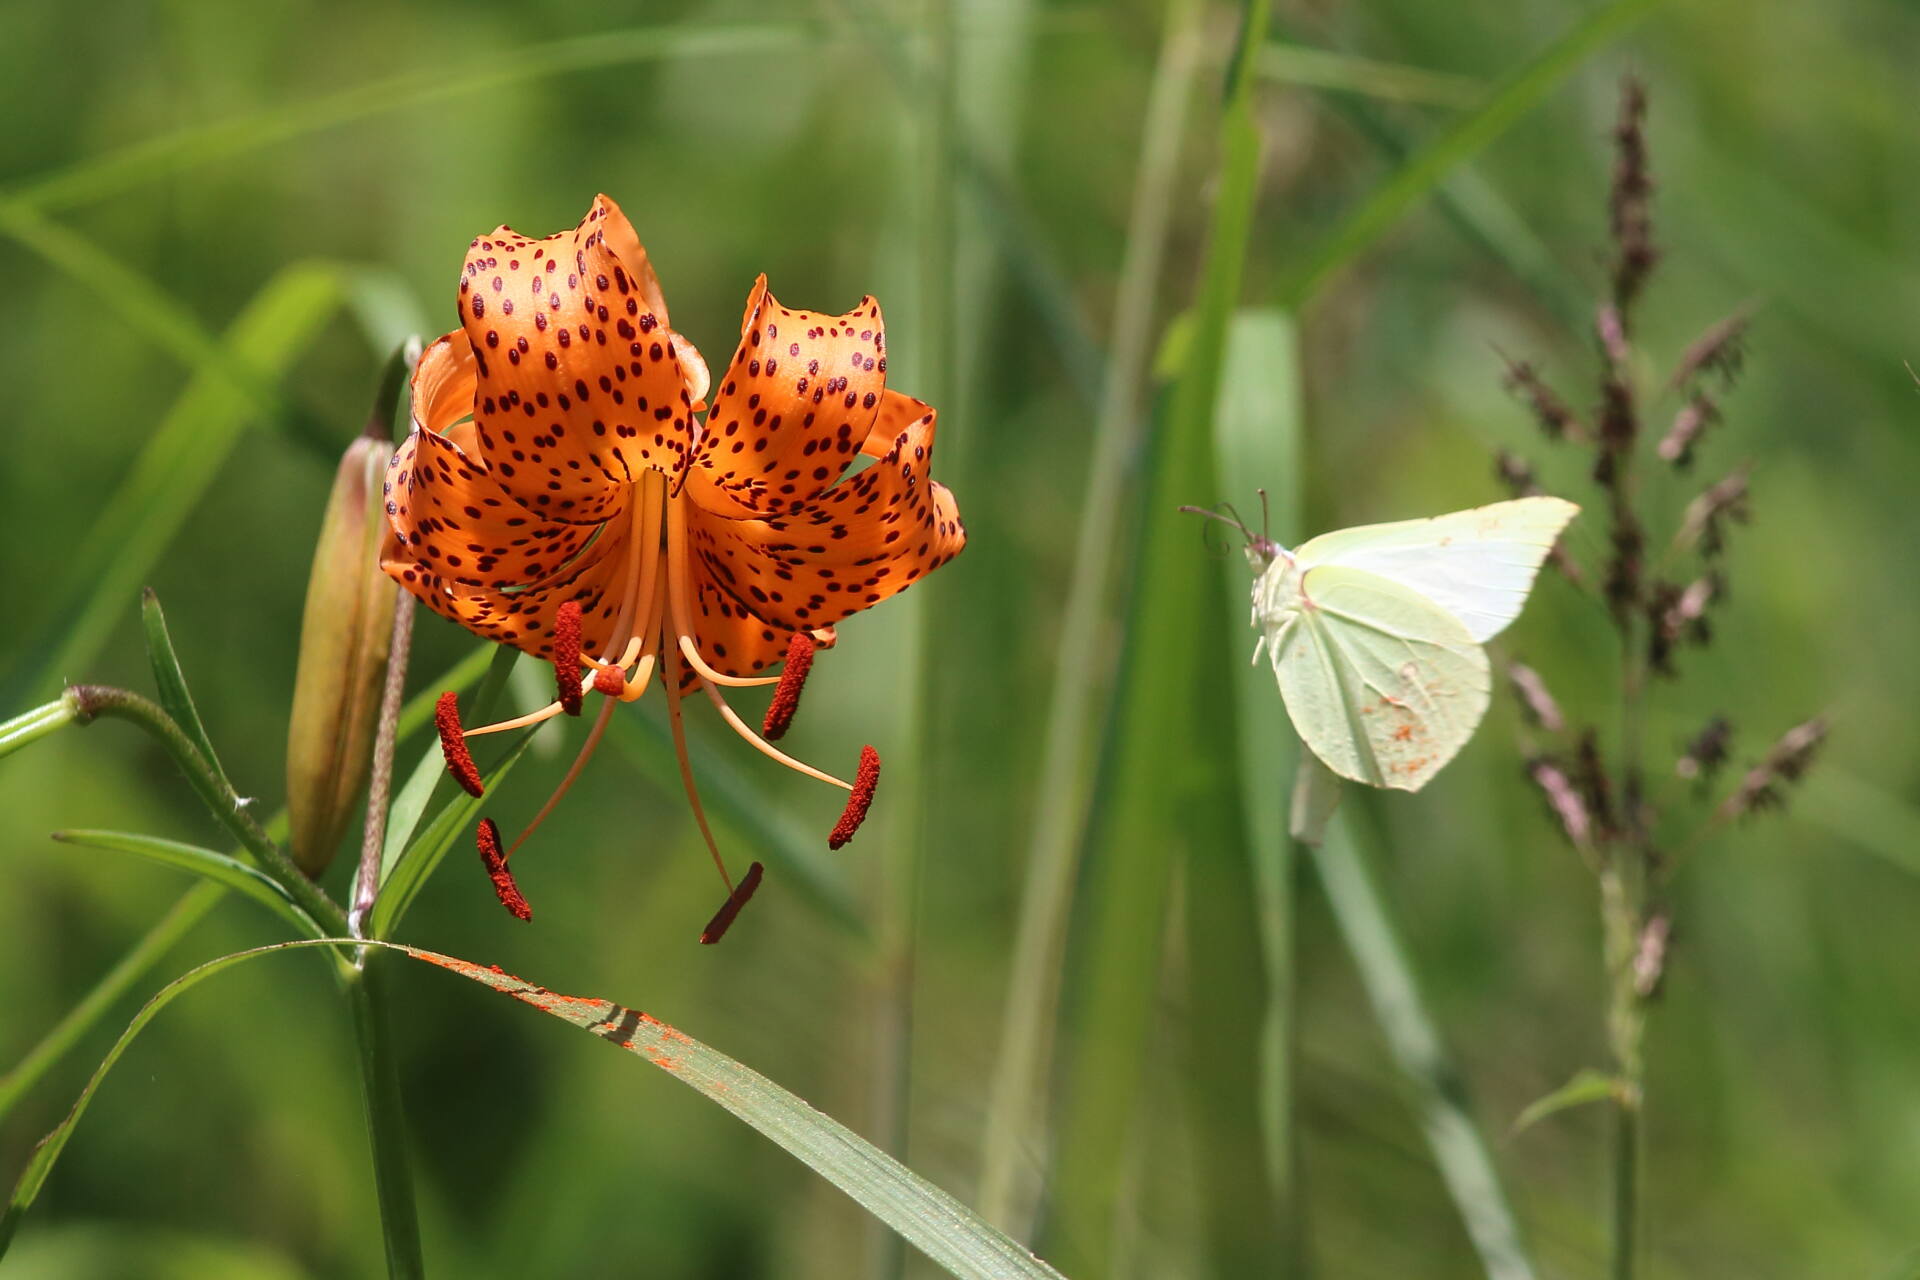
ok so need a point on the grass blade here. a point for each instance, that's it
(1459, 1149)
(221, 869)
(170, 682)
(1174, 698)
(1516, 95)
(428, 785)
(931, 1220)
(168, 479)
(1257, 440)
(1287, 63)
(1016, 1111)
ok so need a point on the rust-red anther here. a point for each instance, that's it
(566, 656)
(610, 681)
(723, 918)
(786, 694)
(855, 813)
(453, 744)
(488, 837)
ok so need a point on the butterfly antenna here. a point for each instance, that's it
(1266, 530)
(1232, 519)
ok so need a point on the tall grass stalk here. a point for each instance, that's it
(1016, 1122)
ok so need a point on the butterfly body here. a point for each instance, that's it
(1375, 633)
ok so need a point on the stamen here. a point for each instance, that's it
(547, 712)
(793, 678)
(566, 656)
(723, 918)
(739, 726)
(573, 771)
(504, 888)
(670, 681)
(453, 744)
(864, 783)
(691, 652)
(610, 681)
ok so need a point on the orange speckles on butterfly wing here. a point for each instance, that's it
(455, 519)
(580, 384)
(523, 619)
(867, 538)
(792, 409)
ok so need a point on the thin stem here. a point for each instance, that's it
(1626, 1183)
(179, 921)
(366, 883)
(386, 1122)
(89, 701)
(34, 724)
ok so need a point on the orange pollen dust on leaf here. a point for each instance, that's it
(453, 744)
(504, 888)
(864, 784)
(786, 694)
(723, 918)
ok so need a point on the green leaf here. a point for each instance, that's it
(418, 860)
(1287, 63)
(171, 682)
(172, 473)
(1459, 1149)
(1586, 1086)
(934, 1222)
(1516, 95)
(429, 782)
(217, 867)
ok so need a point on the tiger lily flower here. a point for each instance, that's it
(566, 490)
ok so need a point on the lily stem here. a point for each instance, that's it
(386, 1121)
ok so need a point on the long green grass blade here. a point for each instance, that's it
(1516, 95)
(1459, 1149)
(1171, 785)
(221, 869)
(166, 156)
(1016, 1109)
(1287, 63)
(173, 471)
(1257, 442)
(934, 1222)
(428, 786)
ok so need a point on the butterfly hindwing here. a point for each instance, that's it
(1382, 683)
(1477, 565)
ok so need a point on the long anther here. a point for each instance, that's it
(793, 678)
(453, 744)
(566, 656)
(723, 918)
(504, 888)
(864, 784)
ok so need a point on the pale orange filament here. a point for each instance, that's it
(566, 784)
(670, 679)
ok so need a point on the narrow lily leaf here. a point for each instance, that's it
(1586, 1086)
(171, 682)
(932, 1221)
(180, 920)
(217, 867)
(172, 473)
(428, 781)
(418, 860)
(1516, 95)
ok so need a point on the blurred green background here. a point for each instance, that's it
(838, 151)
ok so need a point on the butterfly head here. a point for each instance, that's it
(1261, 549)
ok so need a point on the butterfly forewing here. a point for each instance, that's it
(1477, 565)
(1381, 683)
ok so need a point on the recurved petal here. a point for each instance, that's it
(867, 538)
(580, 383)
(454, 518)
(792, 410)
(732, 638)
(523, 619)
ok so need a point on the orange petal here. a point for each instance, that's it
(794, 407)
(733, 640)
(523, 619)
(579, 383)
(452, 516)
(863, 540)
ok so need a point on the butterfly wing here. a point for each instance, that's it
(1478, 565)
(1381, 683)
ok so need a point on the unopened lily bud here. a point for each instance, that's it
(344, 638)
